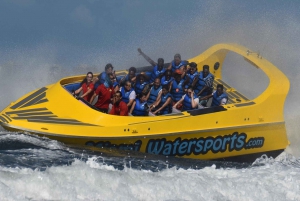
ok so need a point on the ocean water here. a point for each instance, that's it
(35, 168)
(43, 41)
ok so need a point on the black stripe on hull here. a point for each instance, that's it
(250, 158)
(28, 98)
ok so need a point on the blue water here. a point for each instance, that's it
(43, 41)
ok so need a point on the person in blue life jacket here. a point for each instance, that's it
(128, 94)
(177, 86)
(141, 84)
(189, 100)
(167, 79)
(191, 74)
(153, 96)
(100, 79)
(165, 104)
(158, 68)
(177, 63)
(203, 84)
(219, 97)
(140, 106)
(131, 76)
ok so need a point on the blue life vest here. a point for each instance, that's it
(125, 94)
(139, 87)
(174, 67)
(140, 109)
(207, 81)
(177, 90)
(153, 94)
(191, 78)
(166, 82)
(155, 73)
(187, 103)
(168, 108)
(217, 99)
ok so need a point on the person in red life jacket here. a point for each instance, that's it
(104, 92)
(86, 86)
(119, 107)
(219, 97)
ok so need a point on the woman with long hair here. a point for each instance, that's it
(87, 87)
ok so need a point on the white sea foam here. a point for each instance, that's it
(91, 180)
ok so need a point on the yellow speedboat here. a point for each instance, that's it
(242, 130)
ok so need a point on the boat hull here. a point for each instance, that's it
(243, 144)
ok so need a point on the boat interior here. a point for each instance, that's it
(234, 97)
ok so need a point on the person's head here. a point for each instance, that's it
(109, 68)
(168, 74)
(220, 89)
(189, 91)
(110, 79)
(118, 96)
(142, 78)
(205, 70)
(89, 76)
(177, 75)
(156, 83)
(160, 62)
(132, 71)
(142, 97)
(177, 59)
(193, 67)
(165, 90)
(127, 85)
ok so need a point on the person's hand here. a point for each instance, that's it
(155, 112)
(139, 50)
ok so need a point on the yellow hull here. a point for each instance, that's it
(243, 127)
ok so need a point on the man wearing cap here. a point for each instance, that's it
(191, 74)
(203, 84)
(219, 97)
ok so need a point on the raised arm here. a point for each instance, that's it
(153, 63)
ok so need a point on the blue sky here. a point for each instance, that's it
(42, 41)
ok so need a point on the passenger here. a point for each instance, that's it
(177, 63)
(189, 100)
(119, 107)
(102, 77)
(177, 90)
(131, 76)
(203, 84)
(87, 87)
(104, 92)
(140, 106)
(140, 84)
(153, 96)
(165, 105)
(192, 73)
(219, 97)
(158, 69)
(128, 94)
(167, 79)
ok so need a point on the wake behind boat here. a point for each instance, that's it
(241, 130)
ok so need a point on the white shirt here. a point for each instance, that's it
(132, 95)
